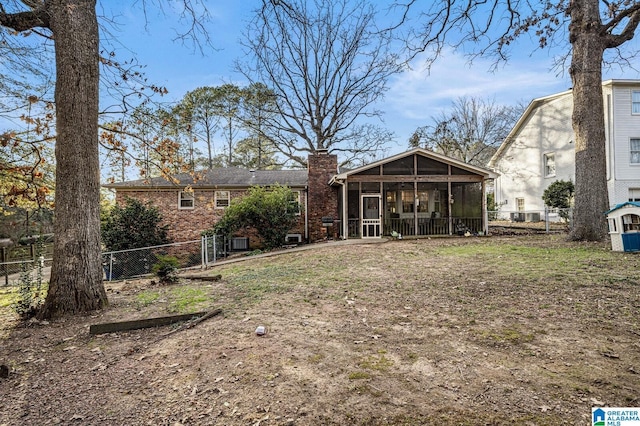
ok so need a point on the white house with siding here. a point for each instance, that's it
(540, 149)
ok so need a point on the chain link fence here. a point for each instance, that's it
(118, 265)
(138, 262)
(133, 263)
(22, 258)
(548, 219)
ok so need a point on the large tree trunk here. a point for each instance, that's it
(591, 196)
(76, 276)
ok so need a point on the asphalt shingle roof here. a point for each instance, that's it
(223, 177)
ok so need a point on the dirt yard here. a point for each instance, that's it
(524, 330)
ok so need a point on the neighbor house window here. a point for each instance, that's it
(635, 102)
(634, 194)
(549, 164)
(185, 200)
(634, 151)
(222, 199)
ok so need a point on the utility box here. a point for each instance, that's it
(624, 226)
(327, 221)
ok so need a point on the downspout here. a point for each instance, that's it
(610, 146)
(485, 214)
(306, 215)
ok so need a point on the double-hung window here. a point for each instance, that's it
(222, 199)
(549, 160)
(634, 151)
(635, 102)
(186, 200)
(295, 201)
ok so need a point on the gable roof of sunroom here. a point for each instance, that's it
(486, 173)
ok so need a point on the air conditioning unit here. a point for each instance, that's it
(517, 217)
(239, 243)
(532, 217)
(293, 238)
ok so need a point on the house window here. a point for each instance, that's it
(222, 199)
(423, 201)
(634, 151)
(296, 199)
(520, 204)
(185, 200)
(613, 228)
(407, 200)
(550, 164)
(635, 102)
(634, 194)
(631, 222)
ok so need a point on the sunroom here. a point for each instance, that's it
(416, 193)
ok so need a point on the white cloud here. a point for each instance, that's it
(421, 93)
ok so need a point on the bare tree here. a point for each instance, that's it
(327, 64)
(471, 130)
(593, 28)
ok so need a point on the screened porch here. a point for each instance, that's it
(416, 194)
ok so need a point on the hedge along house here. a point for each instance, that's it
(416, 193)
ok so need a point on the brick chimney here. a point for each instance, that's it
(322, 198)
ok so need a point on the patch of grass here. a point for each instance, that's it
(146, 298)
(8, 296)
(377, 363)
(359, 375)
(187, 299)
(314, 359)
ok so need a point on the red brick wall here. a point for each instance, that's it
(188, 224)
(323, 199)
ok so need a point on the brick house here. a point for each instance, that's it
(191, 204)
(414, 193)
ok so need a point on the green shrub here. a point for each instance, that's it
(559, 195)
(271, 211)
(134, 225)
(166, 269)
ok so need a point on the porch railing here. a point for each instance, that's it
(433, 226)
(426, 226)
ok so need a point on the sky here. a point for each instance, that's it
(413, 97)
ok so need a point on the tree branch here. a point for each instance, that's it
(23, 21)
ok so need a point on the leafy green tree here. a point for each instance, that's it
(559, 195)
(197, 111)
(227, 105)
(271, 211)
(258, 149)
(132, 226)
(252, 153)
